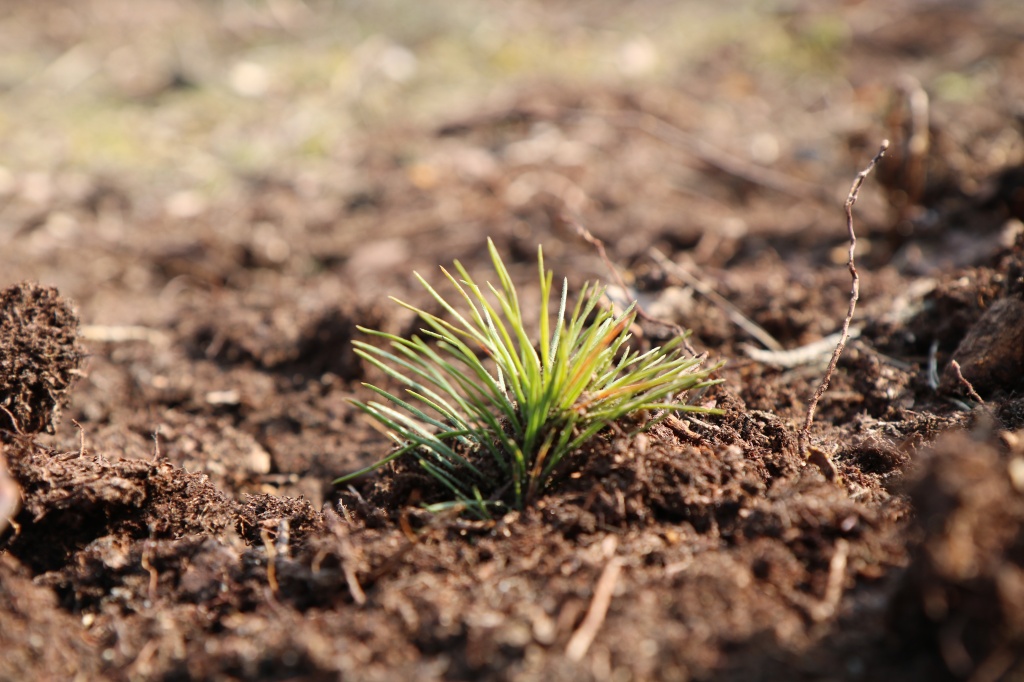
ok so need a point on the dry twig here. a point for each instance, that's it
(933, 366)
(10, 495)
(14, 422)
(346, 554)
(154, 575)
(836, 577)
(795, 357)
(588, 237)
(968, 386)
(851, 199)
(734, 313)
(123, 334)
(271, 550)
(584, 635)
(719, 158)
(81, 437)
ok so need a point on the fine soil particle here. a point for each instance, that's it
(39, 357)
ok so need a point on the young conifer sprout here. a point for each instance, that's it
(491, 414)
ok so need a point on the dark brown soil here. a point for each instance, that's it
(41, 357)
(180, 523)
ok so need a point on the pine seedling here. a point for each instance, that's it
(489, 413)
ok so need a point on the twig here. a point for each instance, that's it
(340, 531)
(271, 550)
(584, 635)
(795, 357)
(14, 422)
(718, 158)
(10, 494)
(966, 384)
(123, 334)
(819, 458)
(969, 387)
(734, 313)
(909, 122)
(156, 444)
(826, 608)
(851, 199)
(588, 237)
(933, 365)
(154, 575)
(81, 437)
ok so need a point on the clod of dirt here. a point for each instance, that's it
(39, 356)
(941, 315)
(71, 499)
(39, 641)
(991, 356)
(962, 597)
(283, 520)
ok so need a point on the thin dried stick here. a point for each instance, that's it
(717, 158)
(794, 357)
(81, 437)
(271, 550)
(14, 422)
(734, 313)
(123, 334)
(933, 366)
(584, 636)
(851, 199)
(346, 553)
(836, 577)
(154, 575)
(968, 386)
(10, 494)
(588, 237)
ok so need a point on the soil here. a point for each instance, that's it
(166, 505)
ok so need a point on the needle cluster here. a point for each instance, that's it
(490, 412)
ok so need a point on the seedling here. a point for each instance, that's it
(489, 413)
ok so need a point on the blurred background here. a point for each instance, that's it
(284, 134)
(177, 95)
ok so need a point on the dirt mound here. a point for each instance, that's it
(39, 356)
(294, 341)
(991, 355)
(963, 595)
(39, 640)
(72, 499)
